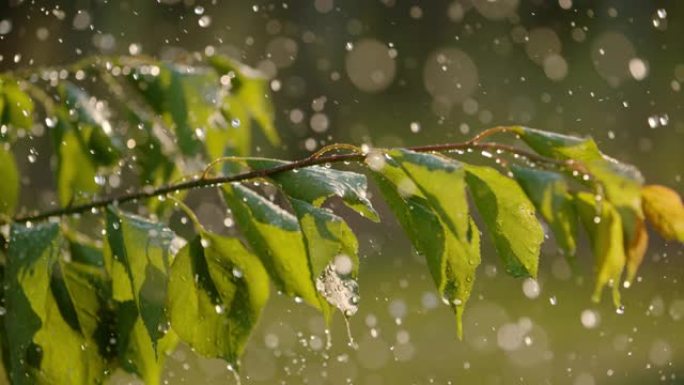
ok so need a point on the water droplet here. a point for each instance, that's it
(590, 319)
(350, 338)
(237, 273)
(415, 127)
(531, 288)
(204, 21)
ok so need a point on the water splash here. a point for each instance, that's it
(340, 290)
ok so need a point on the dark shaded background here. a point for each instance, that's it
(311, 48)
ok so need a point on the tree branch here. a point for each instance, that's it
(314, 159)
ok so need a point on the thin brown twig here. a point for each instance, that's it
(263, 173)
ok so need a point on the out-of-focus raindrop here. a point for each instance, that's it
(82, 20)
(324, 6)
(660, 353)
(638, 69)
(565, 4)
(611, 53)
(496, 9)
(590, 319)
(531, 288)
(5, 26)
(415, 127)
(319, 122)
(370, 66)
(555, 67)
(659, 19)
(204, 21)
(450, 75)
(541, 43)
(282, 51)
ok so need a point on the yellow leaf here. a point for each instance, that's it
(604, 227)
(636, 249)
(664, 210)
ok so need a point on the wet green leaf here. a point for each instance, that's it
(621, 182)
(236, 138)
(186, 97)
(53, 312)
(510, 217)
(93, 124)
(9, 187)
(75, 171)
(559, 146)
(326, 235)
(138, 256)
(18, 106)
(665, 211)
(548, 191)
(603, 224)
(250, 94)
(217, 290)
(316, 184)
(332, 252)
(427, 195)
(137, 352)
(275, 237)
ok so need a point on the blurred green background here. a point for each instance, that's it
(399, 73)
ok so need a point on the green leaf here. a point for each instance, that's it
(86, 254)
(510, 218)
(217, 290)
(249, 92)
(75, 170)
(559, 146)
(186, 97)
(326, 235)
(442, 181)
(236, 138)
(275, 237)
(53, 312)
(9, 188)
(137, 352)
(138, 256)
(664, 209)
(603, 224)
(428, 200)
(621, 182)
(316, 184)
(18, 106)
(548, 192)
(93, 124)
(332, 252)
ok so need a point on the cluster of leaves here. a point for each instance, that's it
(169, 118)
(126, 300)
